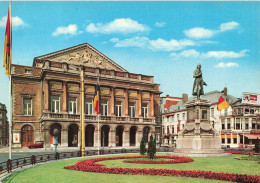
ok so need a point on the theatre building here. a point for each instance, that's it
(47, 96)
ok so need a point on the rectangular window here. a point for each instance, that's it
(104, 107)
(55, 104)
(72, 105)
(246, 124)
(204, 114)
(228, 141)
(178, 117)
(238, 124)
(27, 106)
(228, 123)
(89, 107)
(235, 140)
(145, 110)
(211, 111)
(131, 109)
(226, 112)
(118, 111)
(183, 116)
(223, 124)
(223, 141)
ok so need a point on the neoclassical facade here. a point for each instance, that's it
(46, 96)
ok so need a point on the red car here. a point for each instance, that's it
(38, 144)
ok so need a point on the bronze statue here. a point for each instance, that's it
(198, 83)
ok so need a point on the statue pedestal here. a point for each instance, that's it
(198, 138)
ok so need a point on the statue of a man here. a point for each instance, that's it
(198, 83)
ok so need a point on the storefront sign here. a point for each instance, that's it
(250, 98)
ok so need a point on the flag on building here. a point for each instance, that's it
(97, 99)
(8, 44)
(222, 104)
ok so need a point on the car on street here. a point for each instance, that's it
(37, 144)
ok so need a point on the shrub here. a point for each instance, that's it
(151, 148)
(142, 147)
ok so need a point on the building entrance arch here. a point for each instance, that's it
(27, 135)
(52, 127)
(104, 135)
(133, 135)
(89, 135)
(73, 135)
(119, 135)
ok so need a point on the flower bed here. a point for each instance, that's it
(176, 159)
(239, 152)
(91, 166)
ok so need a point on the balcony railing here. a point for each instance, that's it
(60, 116)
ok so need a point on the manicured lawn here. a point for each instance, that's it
(55, 172)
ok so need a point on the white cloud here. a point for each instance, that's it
(16, 21)
(160, 24)
(199, 33)
(122, 25)
(224, 54)
(155, 45)
(141, 42)
(71, 29)
(210, 54)
(164, 45)
(226, 65)
(229, 26)
(203, 33)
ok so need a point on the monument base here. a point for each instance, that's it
(198, 138)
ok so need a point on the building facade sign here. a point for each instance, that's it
(250, 98)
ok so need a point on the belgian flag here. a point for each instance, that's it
(222, 104)
(8, 44)
(97, 99)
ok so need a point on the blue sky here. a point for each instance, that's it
(163, 39)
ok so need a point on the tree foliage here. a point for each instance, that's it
(142, 147)
(151, 148)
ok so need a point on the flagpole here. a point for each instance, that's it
(10, 90)
(10, 118)
(98, 117)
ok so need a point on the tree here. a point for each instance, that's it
(257, 145)
(151, 148)
(142, 147)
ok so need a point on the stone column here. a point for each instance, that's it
(250, 123)
(152, 105)
(46, 137)
(232, 123)
(126, 138)
(96, 142)
(112, 138)
(79, 137)
(112, 101)
(126, 103)
(64, 97)
(139, 104)
(64, 137)
(139, 135)
(46, 95)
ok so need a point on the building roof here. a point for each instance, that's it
(212, 97)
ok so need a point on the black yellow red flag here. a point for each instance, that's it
(8, 44)
(97, 99)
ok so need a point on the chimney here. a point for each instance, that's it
(184, 98)
(225, 91)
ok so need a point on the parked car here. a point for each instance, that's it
(37, 144)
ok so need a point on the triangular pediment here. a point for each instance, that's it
(83, 54)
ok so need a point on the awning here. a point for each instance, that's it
(228, 136)
(252, 136)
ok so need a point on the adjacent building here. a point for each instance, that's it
(239, 125)
(46, 96)
(4, 137)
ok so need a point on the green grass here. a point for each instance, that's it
(54, 172)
